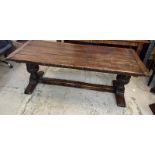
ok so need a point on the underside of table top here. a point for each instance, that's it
(83, 57)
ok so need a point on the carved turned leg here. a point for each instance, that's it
(34, 77)
(121, 81)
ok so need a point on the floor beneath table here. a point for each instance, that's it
(48, 99)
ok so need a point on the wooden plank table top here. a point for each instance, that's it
(138, 45)
(85, 57)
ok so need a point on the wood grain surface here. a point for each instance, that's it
(84, 57)
(138, 45)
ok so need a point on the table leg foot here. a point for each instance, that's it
(152, 90)
(152, 107)
(119, 88)
(34, 77)
(120, 100)
(32, 84)
(30, 88)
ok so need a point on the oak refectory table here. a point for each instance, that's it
(121, 61)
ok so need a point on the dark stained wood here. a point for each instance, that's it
(119, 83)
(152, 90)
(34, 77)
(117, 88)
(77, 84)
(152, 107)
(123, 62)
(85, 57)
